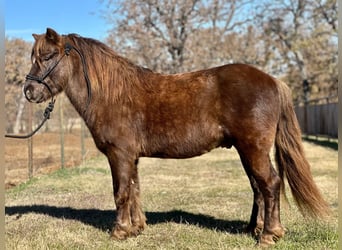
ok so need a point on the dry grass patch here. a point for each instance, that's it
(198, 203)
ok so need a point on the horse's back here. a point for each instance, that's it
(191, 113)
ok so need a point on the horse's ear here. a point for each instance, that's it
(35, 36)
(52, 35)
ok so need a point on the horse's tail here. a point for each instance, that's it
(290, 159)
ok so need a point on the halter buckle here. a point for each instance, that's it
(67, 48)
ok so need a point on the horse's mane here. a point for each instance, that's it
(110, 74)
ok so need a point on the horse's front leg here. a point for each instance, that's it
(137, 215)
(124, 176)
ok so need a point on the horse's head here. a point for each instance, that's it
(48, 74)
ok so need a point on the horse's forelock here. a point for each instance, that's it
(42, 44)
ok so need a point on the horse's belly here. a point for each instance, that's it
(183, 143)
(180, 152)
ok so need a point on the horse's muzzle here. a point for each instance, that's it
(33, 92)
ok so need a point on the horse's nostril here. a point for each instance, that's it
(28, 94)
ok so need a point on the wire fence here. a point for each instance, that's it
(61, 143)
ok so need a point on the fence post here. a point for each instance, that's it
(306, 99)
(30, 143)
(82, 141)
(328, 120)
(61, 129)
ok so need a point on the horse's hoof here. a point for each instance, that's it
(266, 241)
(137, 229)
(119, 234)
(254, 231)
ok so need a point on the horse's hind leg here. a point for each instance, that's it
(256, 222)
(264, 180)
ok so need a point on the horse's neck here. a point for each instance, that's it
(77, 102)
(77, 94)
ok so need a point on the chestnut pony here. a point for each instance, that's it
(132, 112)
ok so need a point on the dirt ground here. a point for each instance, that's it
(46, 155)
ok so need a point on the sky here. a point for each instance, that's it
(24, 17)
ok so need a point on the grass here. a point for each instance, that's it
(198, 203)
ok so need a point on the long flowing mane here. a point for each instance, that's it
(110, 74)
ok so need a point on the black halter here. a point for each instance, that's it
(67, 48)
(41, 79)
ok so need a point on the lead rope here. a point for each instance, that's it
(47, 112)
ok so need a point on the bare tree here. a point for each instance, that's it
(325, 10)
(300, 38)
(158, 33)
(17, 64)
(157, 26)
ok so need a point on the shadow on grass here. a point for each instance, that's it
(103, 219)
(324, 143)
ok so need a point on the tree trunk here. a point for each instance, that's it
(16, 127)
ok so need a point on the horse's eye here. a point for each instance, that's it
(49, 56)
